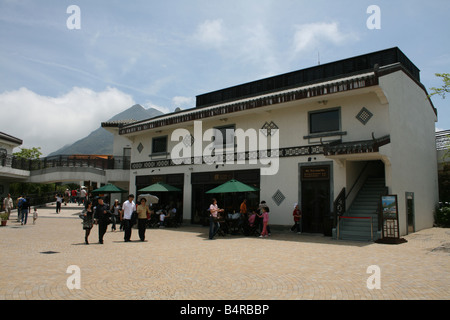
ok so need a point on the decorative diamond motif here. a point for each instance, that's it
(278, 197)
(188, 140)
(269, 127)
(140, 147)
(364, 115)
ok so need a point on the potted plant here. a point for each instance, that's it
(4, 218)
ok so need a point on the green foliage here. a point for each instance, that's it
(28, 154)
(442, 91)
(3, 216)
(443, 217)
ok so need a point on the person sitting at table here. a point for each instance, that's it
(251, 219)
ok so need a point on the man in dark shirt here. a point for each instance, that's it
(101, 216)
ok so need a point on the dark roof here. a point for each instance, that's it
(320, 73)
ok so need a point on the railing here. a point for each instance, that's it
(76, 161)
(361, 218)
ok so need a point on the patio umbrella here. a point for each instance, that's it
(232, 186)
(149, 197)
(159, 187)
(109, 188)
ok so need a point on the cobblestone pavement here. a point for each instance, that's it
(182, 264)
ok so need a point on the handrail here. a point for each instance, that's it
(339, 206)
(357, 179)
(364, 218)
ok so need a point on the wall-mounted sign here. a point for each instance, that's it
(315, 173)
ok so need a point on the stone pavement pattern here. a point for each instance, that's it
(182, 264)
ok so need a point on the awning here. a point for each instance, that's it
(355, 147)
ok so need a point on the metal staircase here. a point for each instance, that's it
(360, 222)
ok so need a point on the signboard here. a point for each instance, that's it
(389, 207)
(389, 212)
(316, 173)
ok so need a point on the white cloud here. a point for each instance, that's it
(310, 36)
(52, 122)
(184, 102)
(211, 33)
(150, 104)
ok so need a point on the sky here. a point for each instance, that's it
(66, 66)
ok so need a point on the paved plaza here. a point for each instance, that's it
(182, 264)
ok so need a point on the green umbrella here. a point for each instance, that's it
(159, 187)
(109, 188)
(232, 186)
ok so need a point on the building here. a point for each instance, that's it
(8, 172)
(330, 134)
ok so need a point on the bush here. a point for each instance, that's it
(443, 217)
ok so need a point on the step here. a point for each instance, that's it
(356, 236)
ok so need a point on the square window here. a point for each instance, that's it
(159, 145)
(325, 121)
(224, 136)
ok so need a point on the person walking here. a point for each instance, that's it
(59, 201)
(25, 210)
(82, 196)
(102, 215)
(35, 215)
(126, 215)
(214, 215)
(115, 212)
(265, 217)
(8, 204)
(88, 221)
(143, 213)
(263, 205)
(297, 219)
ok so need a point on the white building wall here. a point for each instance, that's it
(413, 162)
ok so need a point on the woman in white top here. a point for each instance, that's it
(214, 212)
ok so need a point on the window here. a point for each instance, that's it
(159, 145)
(324, 121)
(224, 136)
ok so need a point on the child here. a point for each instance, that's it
(35, 215)
(161, 219)
(251, 219)
(265, 216)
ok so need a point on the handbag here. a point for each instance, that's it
(81, 215)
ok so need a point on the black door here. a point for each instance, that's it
(315, 201)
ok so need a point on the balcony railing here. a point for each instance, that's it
(74, 161)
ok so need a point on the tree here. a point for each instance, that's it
(442, 91)
(28, 154)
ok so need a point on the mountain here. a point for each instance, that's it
(100, 141)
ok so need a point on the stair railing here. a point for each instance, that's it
(339, 205)
(358, 179)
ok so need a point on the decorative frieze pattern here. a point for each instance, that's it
(234, 157)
